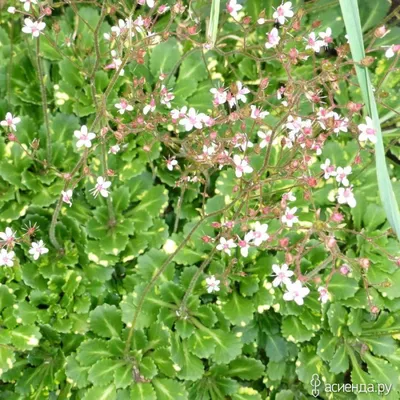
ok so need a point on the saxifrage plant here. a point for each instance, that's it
(189, 203)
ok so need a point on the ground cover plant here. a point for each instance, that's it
(198, 200)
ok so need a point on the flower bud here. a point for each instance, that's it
(296, 25)
(110, 172)
(246, 20)
(374, 309)
(337, 217)
(344, 269)
(289, 258)
(48, 11)
(331, 242)
(354, 107)
(284, 242)
(11, 137)
(216, 225)
(367, 61)
(381, 32)
(364, 263)
(206, 239)
(192, 30)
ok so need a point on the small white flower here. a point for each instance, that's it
(329, 170)
(101, 187)
(391, 50)
(232, 7)
(38, 249)
(244, 243)
(313, 43)
(226, 245)
(296, 292)
(257, 113)
(339, 124)
(294, 125)
(171, 163)
(6, 258)
(114, 149)
(259, 233)
(323, 115)
(346, 196)
(212, 284)
(67, 197)
(323, 294)
(289, 196)
(123, 106)
(11, 10)
(282, 274)
(8, 236)
(367, 131)
(27, 4)
(326, 37)
(341, 175)
(177, 114)
(289, 218)
(166, 96)
(33, 27)
(273, 39)
(192, 120)
(149, 107)
(241, 92)
(242, 166)
(219, 96)
(266, 138)
(150, 3)
(10, 121)
(283, 11)
(84, 137)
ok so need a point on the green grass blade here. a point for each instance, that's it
(214, 20)
(352, 23)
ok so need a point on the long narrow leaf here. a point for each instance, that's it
(214, 20)
(351, 18)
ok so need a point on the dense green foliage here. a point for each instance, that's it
(119, 307)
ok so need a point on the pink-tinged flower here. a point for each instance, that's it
(226, 245)
(283, 12)
(323, 115)
(326, 36)
(101, 187)
(116, 63)
(150, 3)
(123, 27)
(123, 106)
(33, 27)
(240, 141)
(392, 50)
(212, 284)
(313, 43)
(10, 121)
(280, 92)
(67, 197)
(323, 294)
(339, 124)
(282, 274)
(166, 96)
(296, 292)
(294, 125)
(27, 4)
(11, 10)
(273, 39)
(177, 114)
(265, 138)
(367, 131)
(259, 233)
(257, 113)
(114, 149)
(163, 9)
(7, 237)
(242, 166)
(84, 137)
(241, 92)
(6, 258)
(171, 163)
(38, 249)
(192, 120)
(337, 217)
(346, 196)
(219, 96)
(329, 170)
(232, 7)
(344, 269)
(289, 218)
(244, 244)
(341, 175)
(149, 107)
(289, 196)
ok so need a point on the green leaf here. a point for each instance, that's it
(164, 57)
(143, 391)
(340, 361)
(246, 368)
(102, 373)
(201, 344)
(101, 393)
(353, 27)
(25, 337)
(123, 375)
(213, 23)
(91, 351)
(7, 358)
(227, 346)
(308, 364)
(342, 287)
(276, 348)
(326, 346)
(154, 201)
(337, 318)
(7, 299)
(106, 321)
(381, 370)
(76, 373)
(238, 309)
(294, 330)
(167, 389)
